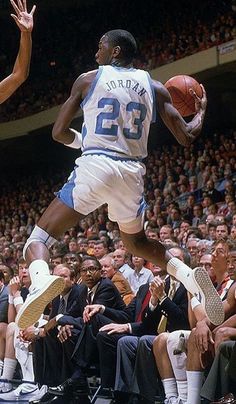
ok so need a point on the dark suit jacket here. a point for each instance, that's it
(4, 304)
(72, 306)
(175, 309)
(106, 294)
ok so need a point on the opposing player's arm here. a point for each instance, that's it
(62, 132)
(24, 21)
(185, 133)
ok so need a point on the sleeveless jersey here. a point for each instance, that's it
(118, 111)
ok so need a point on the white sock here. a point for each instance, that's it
(170, 387)
(28, 369)
(9, 368)
(194, 380)
(182, 387)
(1, 366)
(37, 269)
(182, 273)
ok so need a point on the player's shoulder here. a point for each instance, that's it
(158, 85)
(83, 82)
(161, 92)
(88, 76)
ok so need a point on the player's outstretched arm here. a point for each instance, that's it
(185, 133)
(24, 21)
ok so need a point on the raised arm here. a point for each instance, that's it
(185, 133)
(24, 21)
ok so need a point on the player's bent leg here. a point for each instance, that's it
(195, 281)
(44, 287)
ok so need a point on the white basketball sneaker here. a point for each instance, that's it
(41, 293)
(209, 297)
(24, 392)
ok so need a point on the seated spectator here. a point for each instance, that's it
(73, 260)
(74, 336)
(166, 231)
(222, 231)
(121, 283)
(221, 378)
(206, 263)
(100, 249)
(136, 371)
(48, 351)
(3, 318)
(15, 350)
(140, 275)
(198, 214)
(121, 259)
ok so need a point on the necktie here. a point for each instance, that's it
(144, 305)
(89, 297)
(163, 321)
(62, 306)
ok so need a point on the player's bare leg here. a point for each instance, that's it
(56, 219)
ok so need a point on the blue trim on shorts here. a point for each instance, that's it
(142, 207)
(154, 105)
(83, 132)
(92, 88)
(100, 152)
(65, 193)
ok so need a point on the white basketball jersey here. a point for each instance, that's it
(118, 111)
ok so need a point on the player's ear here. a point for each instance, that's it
(116, 51)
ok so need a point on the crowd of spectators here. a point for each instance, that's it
(191, 209)
(195, 184)
(65, 41)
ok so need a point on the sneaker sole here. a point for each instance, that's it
(211, 299)
(33, 307)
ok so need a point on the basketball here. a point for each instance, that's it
(183, 101)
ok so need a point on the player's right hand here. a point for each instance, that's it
(200, 103)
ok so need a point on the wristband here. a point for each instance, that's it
(194, 302)
(10, 299)
(18, 300)
(77, 142)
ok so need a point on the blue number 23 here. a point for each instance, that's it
(114, 114)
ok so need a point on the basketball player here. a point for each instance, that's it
(119, 104)
(20, 72)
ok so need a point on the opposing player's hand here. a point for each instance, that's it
(200, 103)
(23, 19)
(115, 328)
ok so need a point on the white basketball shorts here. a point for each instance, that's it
(98, 179)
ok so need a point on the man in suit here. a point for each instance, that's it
(166, 309)
(3, 299)
(109, 271)
(48, 351)
(77, 342)
(139, 318)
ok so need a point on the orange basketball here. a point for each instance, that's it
(178, 87)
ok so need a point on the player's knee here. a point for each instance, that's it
(41, 236)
